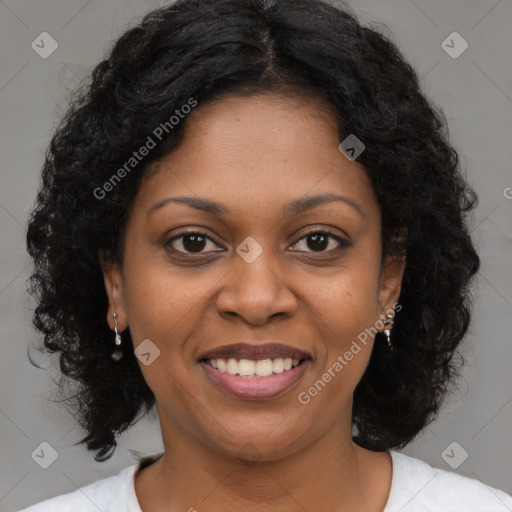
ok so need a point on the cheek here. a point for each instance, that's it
(160, 307)
(346, 310)
(345, 330)
(162, 302)
(348, 299)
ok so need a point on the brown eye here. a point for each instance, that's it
(190, 242)
(322, 241)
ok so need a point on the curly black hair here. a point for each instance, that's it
(210, 49)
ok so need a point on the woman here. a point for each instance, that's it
(252, 218)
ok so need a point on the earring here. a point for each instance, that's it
(387, 332)
(118, 353)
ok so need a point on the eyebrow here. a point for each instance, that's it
(292, 208)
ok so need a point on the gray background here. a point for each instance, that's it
(475, 91)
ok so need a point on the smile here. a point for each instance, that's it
(252, 368)
(254, 379)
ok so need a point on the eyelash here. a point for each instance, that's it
(343, 243)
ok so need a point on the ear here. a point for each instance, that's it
(390, 283)
(113, 279)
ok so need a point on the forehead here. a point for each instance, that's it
(258, 151)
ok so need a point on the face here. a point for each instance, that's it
(265, 264)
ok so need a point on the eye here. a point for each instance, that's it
(323, 240)
(190, 242)
(318, 240)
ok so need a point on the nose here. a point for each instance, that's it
(256, 292)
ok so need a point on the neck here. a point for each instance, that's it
(331, 474)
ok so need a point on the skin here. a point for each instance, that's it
(254, 154)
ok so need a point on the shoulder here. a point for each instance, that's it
(417, 486)
(106, 495)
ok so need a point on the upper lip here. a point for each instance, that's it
(254, 352)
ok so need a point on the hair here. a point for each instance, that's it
(205, 50)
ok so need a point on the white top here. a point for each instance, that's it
(415, 487)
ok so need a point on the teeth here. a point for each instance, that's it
(278, 365)
(251, 368)
(246, 368)
(232, 366)
(264, 368)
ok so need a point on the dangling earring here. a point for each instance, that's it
(118, 353)
(387, 332)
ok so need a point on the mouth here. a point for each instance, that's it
(255, 371)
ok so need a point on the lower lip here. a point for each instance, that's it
(256, 387)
